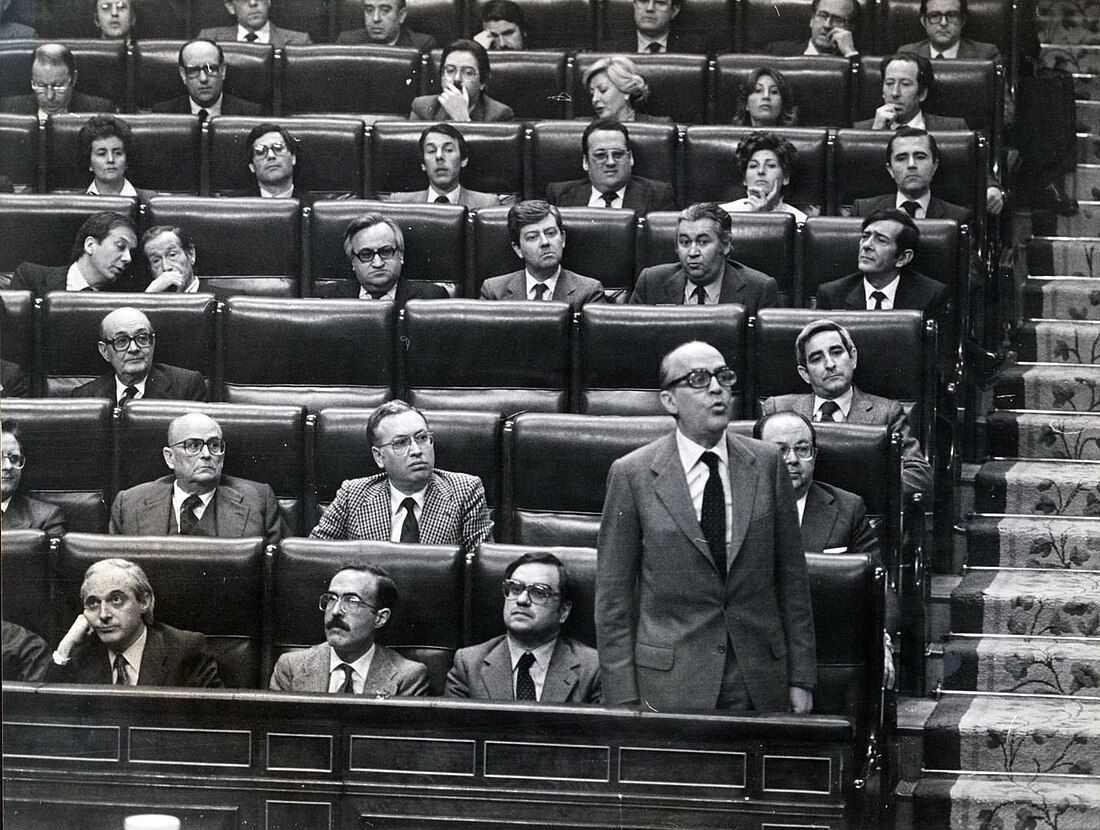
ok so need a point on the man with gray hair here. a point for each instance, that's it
(53, 87)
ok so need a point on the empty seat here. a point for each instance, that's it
(494, 157)
(435, 242)
(821, 85)
(426, 624)
(100, 66)
(164, 155)
(551, 24)
(19, 150)
(264, 443)
(25, 561)
(555, 473)
(250, 72)
(243, 246)
(18, 329)
(678, 85)
(442, 19)
(351, 79)
(214, 586)
(599, 244)
(68, 356)
(68, 449)
(42, 229)
(702, 26)
(329, 159)
(761, 22)
(312, 353)
(498, 357)
(989, 21)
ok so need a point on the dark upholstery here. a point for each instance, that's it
(599, 243)
(709, 22)
(250, 72)
(68, 447)
(552, 24)
(555, 470)
(311, 16)
(25, 562)
(426, 625)
(497, 357)
(100, 66)
(18, 329)
(678, 85)
(989, 21)
(764, 21)
(312, 353)
(184, 325)
(533, 83)
(41, 229)
(329, 160)
(164, 156)
(485, 606)
(243, 246)
(435, 242)
(351, 79)
(442, 19)
(494, 161)
(822, 85)
(618, 351)
(214, 586)
(19, 150)
(264, 443)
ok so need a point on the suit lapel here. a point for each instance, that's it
(671, 488)
(18, 513)
(743, 483)
(231, 513)
(496, 673)
(315, 669)
(732, 285)
(564, 288)
(859, 411)
(517, 286)
(153, 670)
(561, 678)
(855, 299)
(157, 519)
(437, 517)
(674, 288)
(818, 518)
(379, 679)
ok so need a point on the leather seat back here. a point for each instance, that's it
(350, 79)
(821, 85)
(250, 72)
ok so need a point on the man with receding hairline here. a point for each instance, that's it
(53, 87)
(832, 31)
(202, 71)
(254, 26)
(99, 261)
(384, 25)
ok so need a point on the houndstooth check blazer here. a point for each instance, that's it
(454, 511)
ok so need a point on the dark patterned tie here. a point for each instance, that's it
(128, 394)
(910, 207)
(442, 200)
(540, 291)
(879, 298)
(346, 688)
(713, 518)
(525, 686)
(654, 48)
(609, 198)
(188, 520)
(252, 37)
(828, 411)
(410, 530)
(700, 295)
(203, 115)
(122, 677)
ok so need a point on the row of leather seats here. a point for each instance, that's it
(691, 89)
(342, 155)
(254, 606)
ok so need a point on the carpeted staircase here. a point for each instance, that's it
(1013, 741)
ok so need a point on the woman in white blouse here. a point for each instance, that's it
(766, 161)
(105, 143)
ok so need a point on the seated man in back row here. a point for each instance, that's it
(100, 260)
(912, 159)
(53, 87)
(384, 25)
(253, 25)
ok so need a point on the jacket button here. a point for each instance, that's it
(721, 649)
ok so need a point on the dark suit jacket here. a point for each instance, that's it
(26, 657)
(165, 383)
(280, 38)
(653, 557)
(626, 42)
(28, 104)
(13, 381)
(474, 199)
(932, 123)
(484, 672)
(937, 208)
(406, 290)
(172, 657)
(664, 285)
(407, 39)
(428, 108)
(571, 288)
(40, 279)
(231, 105)
(32, 514)
(916, 474)
(240, 508)
(390, 674)
(835, 518)
(643, 195)
(968, 49)
(915, 291)
(787, 48)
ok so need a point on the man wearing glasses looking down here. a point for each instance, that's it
(53, 84)
(410, 501)
(202, 70)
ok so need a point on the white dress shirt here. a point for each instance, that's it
(389, 295)
(551, 285)
(712, 292)
(120, 390)
(179, 496)
(645, 40)
(596, 199)
(452, 197)
(922, 211)
(844, 402)
(211, 111)
(74, 279)
(262, 35)
(950, 54)
(697, 474)
(132, 656)
(890, 290)
(397, 512)
(359, 670)
(127, 189)
(538, 669)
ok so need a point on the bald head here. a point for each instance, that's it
(123, 317)
(126, 342)
(702, 413)
(195, 422)
(690, 355)
(794, 436)
(195, 452)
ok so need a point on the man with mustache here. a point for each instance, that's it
(358, 603)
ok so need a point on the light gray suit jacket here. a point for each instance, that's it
(484, 672)
(474, 199)
(390, 674)
(571, 288)
(280, 38)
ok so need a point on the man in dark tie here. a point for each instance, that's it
(254, 26)
(196, 499)
(827, 362)
(359, 601)
(202, 70)
(912, 159)
(654, 31)
(532, 660)
(127, 342)
(943, 22)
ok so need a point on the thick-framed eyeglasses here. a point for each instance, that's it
(936, 18)
(193, 446)
(802, 451)
(403, 443)
(121, 343)
(54, 88)
(831, 19)
(700, 378)
(115, 599)
(211, 69)
(604, 156)
(540, 594)
(367, 255)
(261, 150)
(349, 602)
(16, 460)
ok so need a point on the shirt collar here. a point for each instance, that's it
(263, 35)
(800, 503)
(4, 504)
(180, 496)
(396, 497)
(74, 279)
(917, 122)
(360, 667)
(644, 41)
(951, 53)
(282, 194)
(454, 197)
(132, 655)
(120, 388)
(542, 654)
(596, 199)
(843, 401)
(713, 290)
(890, 290)
(551, 284)
(127, 189)
(691, 453)
(389, 295)
(211, 111)
(923, 201)
(811, 49)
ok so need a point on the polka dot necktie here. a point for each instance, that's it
(540, 291)
(525, 686)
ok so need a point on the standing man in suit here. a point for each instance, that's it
(702, 597)
(532, 661)
(127, 341)
(888, 242)
(375, 246)
(538, 239)
(608, 158)
(443, 157)
(253, 26)
(704, 274)
(116, 641)
(832, 32)
(100, 257)
(384, 25)
(410, 501)
(203, 71)
(464, 74)
(943, 22)
(359, 601)
(19, 511)
(912, 159)
(53, 87)
(827, 362)
(196, 499)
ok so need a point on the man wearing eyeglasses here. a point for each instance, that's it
(702, 597)
(53, 84)
(655, 33)
(203, 71)
(254, 26)
(127, 342)
(464, 76)
(196, 499)
(532, 661)
(358, 603)
(20, 511)
(410, 501)
(116, 641)
(272, 157)
(943, 22)
(832, 31)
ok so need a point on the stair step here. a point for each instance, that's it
(965, 802)
(938, 610)
(1088, 116)
(1071, 542)
(1048, 386)
(1023, 665)
(1086, 86)
(1038, 435)
(1084, 182)
(1064, 298)
(1071, 57)
(1066, 23)
(1086, 222)
(1061, 256)
(1028, 487)
(1088, 148)
(1060, 341)
(1027, 603)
